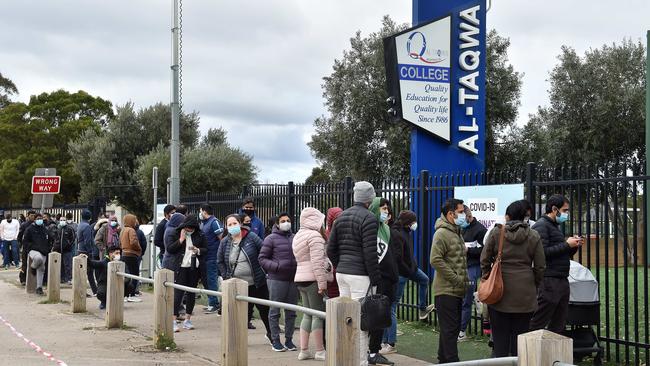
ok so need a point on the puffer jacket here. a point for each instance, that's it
(251, 245)
(276, 256)
(352, 243)
(171, 260)
(102, 236)
(449, 259)
(522, 266)
(129, 237)
(557, 251)
(309, 249)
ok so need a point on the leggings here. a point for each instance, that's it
(313, 300)
(261, 293)
(187, 277)
(131, 268)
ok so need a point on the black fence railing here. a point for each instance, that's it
(608, 208)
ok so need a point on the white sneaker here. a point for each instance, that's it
(462, 336)
(188, 325)
(126, 299)
(320, 355)
(387, 349)
(305, 355)
(133, 299)
(176, 328)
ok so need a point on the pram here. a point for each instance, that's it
(584, 314)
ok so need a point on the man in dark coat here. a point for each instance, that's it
(473, 234)
(159, 235)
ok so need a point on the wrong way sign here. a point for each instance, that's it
(46, 184)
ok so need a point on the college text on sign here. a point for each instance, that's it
(424, 73)
(469, 60)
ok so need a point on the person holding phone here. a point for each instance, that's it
(553, 294)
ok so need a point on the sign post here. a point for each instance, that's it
(45, 184)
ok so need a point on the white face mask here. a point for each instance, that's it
(414, 226)
(117, 257)
(285, 226)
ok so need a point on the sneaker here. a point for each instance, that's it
(251, 326)
(462, 336)
(290, 346)
(126, 299)
(278, 347)
(388, 349)
(305, 355)
(133, 299)
(176, 328)
(210, 310)
(424, 313)
(39, 291)
(320, 355)
(138, 294)
(187, 324)
(268, 339)
(102, 306)
(378, 359)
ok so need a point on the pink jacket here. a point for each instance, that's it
(309, 250)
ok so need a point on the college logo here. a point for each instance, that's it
(416, 47)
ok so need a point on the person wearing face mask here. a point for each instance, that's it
(131, 252)
(212, 230)
(63, 239)
(69, 221)
(256, 225)
(401, 237)
(277, 259)
(450, 283)
(9, 229)
(473, 234)
(238, 257)
(23, 253)
(100, 267)
(36, 242)
(553, 294)
(107, 234)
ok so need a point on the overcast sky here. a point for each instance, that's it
(256, 67)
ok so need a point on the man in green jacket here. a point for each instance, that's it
(449, 258)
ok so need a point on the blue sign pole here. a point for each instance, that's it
(465, 152)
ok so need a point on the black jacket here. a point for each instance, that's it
(352, 244)
(402, 241)
(37, 238)
(23, 227)
(177, 248)
(159, 236)
(101, 267)
(556, 250)
(474, 232)
(63, 239)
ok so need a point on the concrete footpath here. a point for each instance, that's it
(30, 331)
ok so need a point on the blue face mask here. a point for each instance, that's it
(383, 217)
(39, 222)
(464, 225)
(113, 223)
(234, 230)
(564, 217)
(461, 220)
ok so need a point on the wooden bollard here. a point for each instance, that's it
(30, 278)
(79, 283)
(54, 277)
(234, 323)
(163, 330)
(342, 333)
(543, 348)
(115, 295)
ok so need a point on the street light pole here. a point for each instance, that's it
(154, 185)
(175, 180)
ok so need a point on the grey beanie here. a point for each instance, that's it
(364, 192)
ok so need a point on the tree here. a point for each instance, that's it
(356, 137)
(7, 89)
(36, 135)
(318, 176)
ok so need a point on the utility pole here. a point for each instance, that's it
(154, 185)
(175, 179)
(647, 144)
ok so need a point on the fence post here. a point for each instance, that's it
(207, 196)
(30, 277)
(79, 279)
(291, 205)
(531, 175)
(542, 348)
(163, 330)
(348, 192)
(423, 216)
(342, 333)
(234, 323)
(54, 277)
(115, 295)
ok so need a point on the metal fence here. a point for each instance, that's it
(608, 208)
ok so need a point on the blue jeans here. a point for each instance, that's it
(213, 280)
(474, 273)
(6, 250)
(390, 334)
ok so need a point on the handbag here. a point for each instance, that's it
(491, 290)
(375, 311)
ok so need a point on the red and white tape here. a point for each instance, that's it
(33, 345)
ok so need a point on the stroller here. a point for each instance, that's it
(584, 314)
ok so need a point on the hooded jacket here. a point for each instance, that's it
(256, 225)
(37, 238)
(385, 248)
(170, 260)
(85, 240)
(401, 239)
(129, 238)
(276, 256)
(449, 259)
(557, 251)
(250, 245)
(474, 232)
(63, 239)
(309, 249)
(522, 266)
(102, 228)
(176, 250)
(352, 243)
(332, 214)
